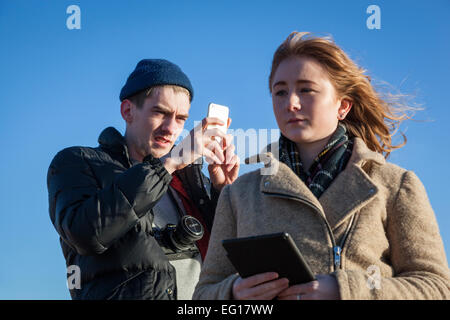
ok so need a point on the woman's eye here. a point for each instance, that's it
(306, 90)
(280, 93)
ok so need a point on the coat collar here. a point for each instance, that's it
(112, 140)
(351, 189)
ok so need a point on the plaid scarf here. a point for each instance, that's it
(326, 166)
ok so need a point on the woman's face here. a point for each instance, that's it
(305, 102)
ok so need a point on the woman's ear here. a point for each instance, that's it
(126, 110)
(344, 108)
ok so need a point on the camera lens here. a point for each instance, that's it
(188, 230)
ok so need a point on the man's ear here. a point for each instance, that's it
(344, 109)
(127, 110)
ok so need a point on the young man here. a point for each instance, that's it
(116, 206)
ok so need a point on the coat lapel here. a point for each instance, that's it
(286, 183)
(351, 190)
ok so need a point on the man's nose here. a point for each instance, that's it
(170, 125)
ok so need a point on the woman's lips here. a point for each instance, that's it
(296, 120)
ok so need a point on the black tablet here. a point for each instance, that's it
(275, 252)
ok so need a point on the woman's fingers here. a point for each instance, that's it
(244, 283)
(260, 286)
(269, 295)
(268, 290)
(301, 289)
(296, 297)
(259, 278)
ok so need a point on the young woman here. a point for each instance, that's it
(365, 226)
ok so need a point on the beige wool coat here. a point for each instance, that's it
(377, 210)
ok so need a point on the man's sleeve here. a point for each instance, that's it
(90, 218)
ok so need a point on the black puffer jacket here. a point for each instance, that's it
(101, 207)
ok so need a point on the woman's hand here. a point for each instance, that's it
(263, 286)
(324, 288)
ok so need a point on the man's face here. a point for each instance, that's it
(155, 126)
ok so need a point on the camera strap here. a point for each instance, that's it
(189, 208)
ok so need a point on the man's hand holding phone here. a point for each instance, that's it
(208, 139)
(223, 172)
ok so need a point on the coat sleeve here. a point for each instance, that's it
(416, 251)
(218, 274)
(90, 218)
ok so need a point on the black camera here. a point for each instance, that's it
(178, 241)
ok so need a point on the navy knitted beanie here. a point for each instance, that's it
(155, 72)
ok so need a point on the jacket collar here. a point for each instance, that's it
(112, 140)
(351, 190)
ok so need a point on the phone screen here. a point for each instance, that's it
(221, 112)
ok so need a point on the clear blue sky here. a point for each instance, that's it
(60, 88)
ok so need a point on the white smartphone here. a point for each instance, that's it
(221, 112)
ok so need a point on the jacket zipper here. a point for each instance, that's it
(337, 249)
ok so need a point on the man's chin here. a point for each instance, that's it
(159, 152)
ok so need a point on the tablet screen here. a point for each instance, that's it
(275, 252)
